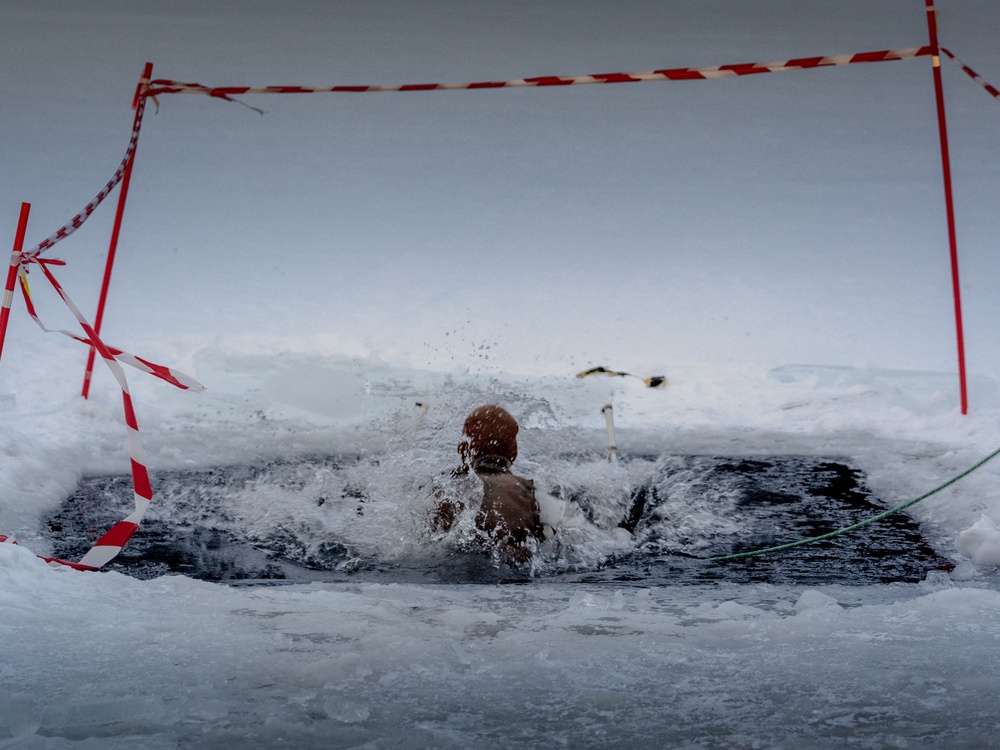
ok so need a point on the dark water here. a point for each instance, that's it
(683, 509)
(778, 500)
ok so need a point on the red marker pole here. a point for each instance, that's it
(15, 264)
(138, 104)
(949, 204)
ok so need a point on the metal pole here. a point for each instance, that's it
(137, 105)
(15, 264)
(610, 423)
(949, 204)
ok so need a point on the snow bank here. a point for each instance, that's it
(981, 542)
(176, 661)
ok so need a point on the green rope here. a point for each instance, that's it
(860, 524)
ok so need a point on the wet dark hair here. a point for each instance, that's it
(490, 431)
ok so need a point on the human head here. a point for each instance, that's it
(489, 431)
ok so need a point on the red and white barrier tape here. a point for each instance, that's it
(174, 377)
(163, 86)
(109, 545)
(77, 221)
(8, 292)
(992, 90)
(67, 563)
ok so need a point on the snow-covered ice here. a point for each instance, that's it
(177, 662)
(322, 267)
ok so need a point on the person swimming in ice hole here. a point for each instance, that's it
(511, 515)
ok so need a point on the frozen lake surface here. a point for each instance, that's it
(383, 635)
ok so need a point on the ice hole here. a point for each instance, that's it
(365, 518)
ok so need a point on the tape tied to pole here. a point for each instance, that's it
(989, 88)
(167, 86)
(111, 543)
(77, 221)
(170, 375)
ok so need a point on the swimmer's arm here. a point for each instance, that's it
(445, 511)
(551, 513)
(444, 515)
(558, 514)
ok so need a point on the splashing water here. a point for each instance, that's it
(367, 517)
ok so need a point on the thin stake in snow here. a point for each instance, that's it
(139, 105)
(15, 264)
(609, 421)
(949, 203)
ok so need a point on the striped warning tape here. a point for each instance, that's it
(151, 89)
(109, 545)
(174, 377)
(992, 90)
(165, 86)
(12, 270)
(67, 563)
(77, 221)
(8, 292)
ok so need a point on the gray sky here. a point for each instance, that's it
(792, 217)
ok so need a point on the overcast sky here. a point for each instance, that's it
(793, 217)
